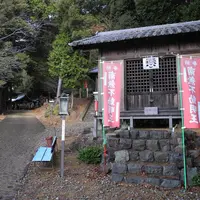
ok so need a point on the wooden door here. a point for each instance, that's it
(151, 88)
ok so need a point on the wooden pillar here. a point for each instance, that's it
(131, 123)
(170, 122)
(95, 129)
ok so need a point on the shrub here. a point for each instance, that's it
(56, 110)
(196, 180)
(90, 155)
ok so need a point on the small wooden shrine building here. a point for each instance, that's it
(153, 93)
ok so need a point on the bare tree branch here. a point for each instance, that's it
(11, 34)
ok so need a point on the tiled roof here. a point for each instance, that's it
(141, 32)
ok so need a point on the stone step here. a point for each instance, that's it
(138, 168)
(154, 169)
(166, 182)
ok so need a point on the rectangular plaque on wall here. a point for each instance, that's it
(151, 110)
(151, 63)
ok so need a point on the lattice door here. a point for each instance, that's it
(156, 87)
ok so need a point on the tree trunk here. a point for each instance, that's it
(80, 90)
(72, 99)
(58, 90)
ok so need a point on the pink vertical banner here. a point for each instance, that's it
(112, 71)
(190, 78)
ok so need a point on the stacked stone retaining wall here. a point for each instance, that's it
(152, 156)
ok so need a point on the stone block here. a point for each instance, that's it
(119, 168)
(124, 134)
(117, 178)
(144, 134)
(138, 145)
(170, 170)
(191, 172)
(136, 179)
(194, 153)
(179, 140)
(153, 181)
(197, 141)
(161, 157)
(146, 156)
(121, 156)
(170, 183)
(189, 134)
(113, 143)
(165, 145)
(125, 143)
(156, 134)
(177, 135)
(134, 168)
(152, 145)
(111, 154)
(189, 162)
(176, 158)
(174, 141)
(111, 135)
(133, 155)
(197, 162)
(134, 134)
(178, 149)
(166, 134)
(153, 169)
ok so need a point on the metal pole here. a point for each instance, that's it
(62, 146)
(103, 127)
(182, 128)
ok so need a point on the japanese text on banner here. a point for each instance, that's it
(111, 90)
(190, 70)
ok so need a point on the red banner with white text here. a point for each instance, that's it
(112, 71)
(190, 73)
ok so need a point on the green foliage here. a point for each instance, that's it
(51, 111)
(122, 14)
(73, 21)
(157, 12)
(67, 64)
(8, 63)
(196, 180)
(10, 18)
(90, 155)
(190, 11)
(42, 9)
(56, 110)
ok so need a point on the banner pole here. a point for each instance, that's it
(103, 127)
(182, 124)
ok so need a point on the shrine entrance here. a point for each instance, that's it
(152, 87)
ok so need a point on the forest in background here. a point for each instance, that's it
(34, 36)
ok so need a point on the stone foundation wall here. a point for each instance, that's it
(152, 156)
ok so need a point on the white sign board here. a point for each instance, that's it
(151, 110)
(151, 63)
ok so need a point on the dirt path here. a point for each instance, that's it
(18, 137)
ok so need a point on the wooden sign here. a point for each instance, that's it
(151, 110)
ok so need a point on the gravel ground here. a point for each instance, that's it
(87, 182)
(80, 182)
